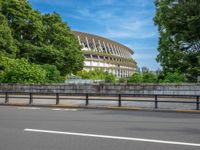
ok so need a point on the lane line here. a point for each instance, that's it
(114, 137)
(59, 109)
(29, 108)
(56, 109)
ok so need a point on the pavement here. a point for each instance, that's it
(103, 107)
(39, 128)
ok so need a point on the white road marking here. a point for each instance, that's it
(32, 108)
(59, 109)
(114, 137)
(56, 109)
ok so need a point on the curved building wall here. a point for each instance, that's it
(106, 54)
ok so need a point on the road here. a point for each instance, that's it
(27, 128)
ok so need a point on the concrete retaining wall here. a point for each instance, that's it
(154, 89)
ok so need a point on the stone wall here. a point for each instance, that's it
(152, 89)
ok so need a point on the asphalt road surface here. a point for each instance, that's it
(31, 128)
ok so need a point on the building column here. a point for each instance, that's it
(100, 46)
(95, 47)
(105, 47)
(113, 49)
(110, 50)
(79, 40)
(87, 43)
(116, 50)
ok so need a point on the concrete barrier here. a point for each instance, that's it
(140, 89)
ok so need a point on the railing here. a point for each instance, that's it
(87, 97)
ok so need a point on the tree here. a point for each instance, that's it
(174, 78)
(123, 80)
(109, 78)
(42, 39)
(7, 43)
(60, 46)
(52, 74)
(135, 78)
(178, 23)
(84, 74)
(97, 74)
(148, 77)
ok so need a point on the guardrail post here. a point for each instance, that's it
(87, 100)
(57, 98)
(6, 98)
(156, 101)
(197, 103)
(119, 100)
(31, 98)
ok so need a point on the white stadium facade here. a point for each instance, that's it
(106, 54)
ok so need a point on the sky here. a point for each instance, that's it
(129, 22)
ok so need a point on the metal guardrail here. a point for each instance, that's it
(87, 97)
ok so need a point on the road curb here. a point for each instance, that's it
(104, 107)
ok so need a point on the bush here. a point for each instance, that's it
(148, 77)
(52, 74)
(135, 78)
(20, 71)
(84, 74)
(123, 80)
(109, 78)
(97, 74)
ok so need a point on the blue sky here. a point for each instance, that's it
(129, 22)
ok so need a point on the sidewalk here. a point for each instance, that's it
(103, 107)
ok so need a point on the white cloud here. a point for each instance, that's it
(52, 2)
(144, 56)
(120, 24)
(104, 2)
(84, 12)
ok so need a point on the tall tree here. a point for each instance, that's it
(42, 39)
(64, 44)
(178, 23)
(7, 43)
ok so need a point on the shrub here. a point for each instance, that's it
(135, 78)
(109, 78)
(148, 77)
(20, 71)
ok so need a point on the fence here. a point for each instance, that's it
(106, 92)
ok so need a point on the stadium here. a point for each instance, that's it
(106, 54)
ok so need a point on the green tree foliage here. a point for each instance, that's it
(148, 77)
(84, 74)
(59, 47)
(41, 39)
(7, 44)
(123, 80)
(97, 74)
(20, 71)
(178, 23)
(52, 74)
(109, 78)
(135, 78)
(174, 78)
